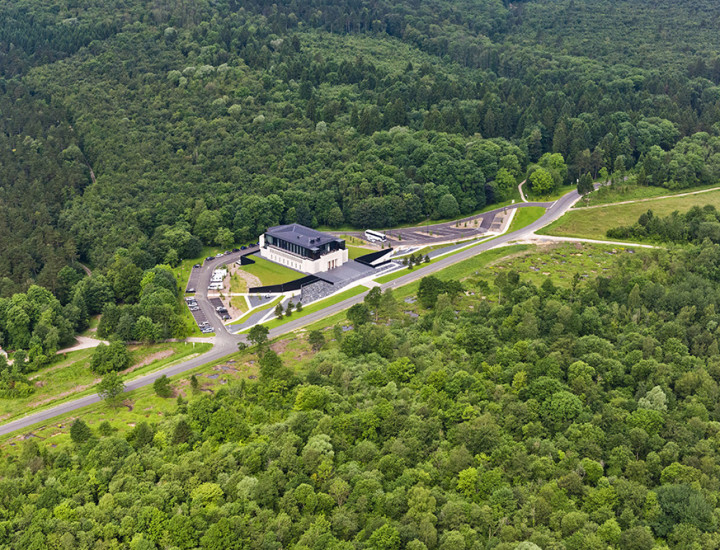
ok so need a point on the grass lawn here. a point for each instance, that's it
(269, 272)
(555, 195)
(631, 192)
(272, 304)
(525, 216)
(356, 251)
(594, 223)
(70, 376)
(240, 303)
(349, 293)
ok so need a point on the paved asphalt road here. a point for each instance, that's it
(226, 343)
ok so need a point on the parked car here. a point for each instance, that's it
(209, 258)
(243, 247)
(219, 255)
(196, 266)
(236, 250)
(190, 290)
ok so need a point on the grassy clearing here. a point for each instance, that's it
(352, 240)
(331, 300)
(631, 192)
(593, 224)
(143, 405)
(555, 195)
(269, 272)
(92, 327)
(525, 216)
(70, 377)
(559, 262)
(461, 271)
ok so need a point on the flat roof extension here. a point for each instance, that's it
(301, 235)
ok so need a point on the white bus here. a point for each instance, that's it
(375, 236)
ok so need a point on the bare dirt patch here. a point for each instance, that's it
(249, 278)
(279, 347)
(149, 359)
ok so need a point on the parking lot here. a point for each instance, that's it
(193, 280)
(203, 310)
(197, 313)
(216, 303)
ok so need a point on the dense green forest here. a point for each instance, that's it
(136, 305)
(574, 417)
(159, 126)
(568, 413)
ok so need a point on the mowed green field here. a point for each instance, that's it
(525, 216)
(269, 272)
(593, 223)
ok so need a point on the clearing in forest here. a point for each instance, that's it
(594, 223)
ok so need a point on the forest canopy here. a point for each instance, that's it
(162, 128)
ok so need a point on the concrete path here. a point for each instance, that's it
(83, 342)
(522, 195)
(534, 239)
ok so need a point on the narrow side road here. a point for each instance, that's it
(522, 195)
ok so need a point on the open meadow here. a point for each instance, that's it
(593, 223)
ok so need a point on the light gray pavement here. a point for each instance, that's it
(83, 342)
(522, 195)
(226, 343)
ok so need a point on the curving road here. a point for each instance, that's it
(226, 343)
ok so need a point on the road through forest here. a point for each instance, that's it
(226, 343)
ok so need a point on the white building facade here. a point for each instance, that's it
(302, 249)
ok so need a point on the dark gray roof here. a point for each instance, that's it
(301, 235)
